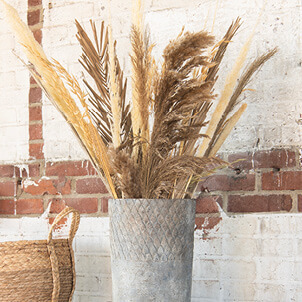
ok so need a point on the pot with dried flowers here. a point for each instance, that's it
(151, 171)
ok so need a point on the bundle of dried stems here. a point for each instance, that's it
(134, 159)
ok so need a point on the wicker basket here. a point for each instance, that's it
(41, 270)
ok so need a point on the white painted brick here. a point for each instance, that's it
(275, 292)
(241, 247)
(206, 269)
(205, 289)
(93, 244)
(277, 269)
(204, 248)
(93, 264)
(238, 291)
(67, 13)
(94, 299)
(237, 269)
(95, 284)
(276, 247)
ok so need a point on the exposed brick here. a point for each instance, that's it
(32, 81)
(47, 186)
(35, 95)
(83, 205)
(207, 223)
(70, 168)
(286, 180)
(29, 206)
(104, 205)
(7, 207)
(35, 113)
(35, 131)
(63, 185)
(208, 204)
(90, 186)
(38, 35)
(59, 224)
(33, 169)
(259, 203)
(300, 203)
(7, 170)
(7, 188)
(57, 205)
(36, 150)
(263, 159)
(33, 17)
(34, 2)
(228, 183)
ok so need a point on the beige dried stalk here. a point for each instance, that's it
(55, 87)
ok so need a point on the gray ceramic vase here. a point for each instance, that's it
(151, 249)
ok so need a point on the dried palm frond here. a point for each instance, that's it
(95, 60)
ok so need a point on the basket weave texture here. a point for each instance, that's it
(41, 270)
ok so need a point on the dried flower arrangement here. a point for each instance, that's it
(134, 157)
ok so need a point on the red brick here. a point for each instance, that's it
(35, 131)
(35, 113)
(7, 207)
(57, 205)
(70, 168)
(286, 180)
(29, 206)
(48, 186)
(34, 2)
(228, 183)
(207, 223)
(32, 81)
(33, 17)
(208, 204)
(259, 203)
(38, 35)
(7, 188)
(83, 205)
(7, 171)
(35, 95)
(59, 224)
(104, 204)
(63, 185)
(277, 159)
(90, 186)
(300, 203)
(36, 150)
(33, 169)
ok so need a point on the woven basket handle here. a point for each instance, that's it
(75, 221)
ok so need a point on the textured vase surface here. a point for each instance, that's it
(151, 249)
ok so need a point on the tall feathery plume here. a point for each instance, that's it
(56, 90)
(139, 124)
(226, 94)
(115, 97)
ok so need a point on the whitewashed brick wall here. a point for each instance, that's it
(275, 106)
(14, 84)
(245, 258)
